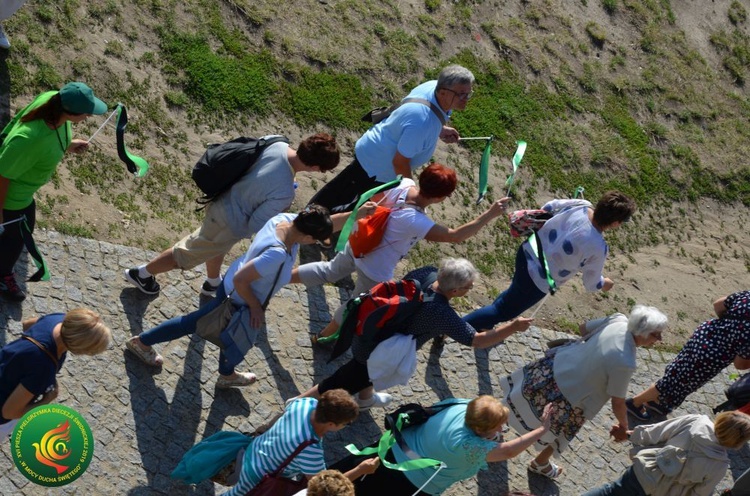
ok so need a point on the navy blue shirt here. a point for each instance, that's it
(22, 362)
(437, 317)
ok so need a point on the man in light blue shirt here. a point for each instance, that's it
(403, 141)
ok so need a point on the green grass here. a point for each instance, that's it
(224, 83)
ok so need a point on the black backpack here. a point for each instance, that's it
(223, 164)
(738, 395)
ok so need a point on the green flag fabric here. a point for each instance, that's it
(347, 229)
(484, 168)
(135, 164)
(516, 161)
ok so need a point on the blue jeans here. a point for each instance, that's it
(182, 326)
(519, 297)
(626, 485)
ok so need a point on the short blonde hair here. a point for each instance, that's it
(84, 333)
(330, 483)
(732, 429)
(485, 413)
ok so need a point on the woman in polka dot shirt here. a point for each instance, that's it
(715, 345)
(572, 242)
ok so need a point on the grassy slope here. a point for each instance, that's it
(608, 94)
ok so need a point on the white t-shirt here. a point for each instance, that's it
(268, 253)
(407, 225)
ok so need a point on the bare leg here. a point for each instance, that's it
(650, 394)
(329, 329)
(543, 457)
(164, 262)
(213, 267)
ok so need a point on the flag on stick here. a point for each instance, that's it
(484, 168)
(516, 161)
(136, 165)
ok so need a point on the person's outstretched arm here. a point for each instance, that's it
(510, 449)
(498, 334)
(442, 234)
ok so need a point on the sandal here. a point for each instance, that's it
(549, 470)
(149, 356)
(241, 379)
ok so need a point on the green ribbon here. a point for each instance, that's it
(42, 273)
(550, 281)
(351, 306)
(387, 440)
(484, 168)
(516, 161)
(135, 164)
(347, 229)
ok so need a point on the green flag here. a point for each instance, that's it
(135, 164)
(516, 161)
(484, 168)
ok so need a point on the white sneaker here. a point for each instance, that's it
(378, 400)
(4, 41)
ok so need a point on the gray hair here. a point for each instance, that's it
(455, 273)
(645, 320)
(453, 75)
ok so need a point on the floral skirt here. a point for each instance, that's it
(527, 391)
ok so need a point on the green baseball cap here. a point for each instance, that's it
(77, 98)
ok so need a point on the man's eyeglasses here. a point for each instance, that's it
(461, 96)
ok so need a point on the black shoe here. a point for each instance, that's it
(10, 290)
(148, 285)
(209, 289)
(655, 409)
(639, 413)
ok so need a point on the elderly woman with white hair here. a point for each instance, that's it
(579, 378)
(434, 318)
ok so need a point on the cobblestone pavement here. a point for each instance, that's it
(144, 419)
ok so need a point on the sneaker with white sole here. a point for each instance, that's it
(378, 400)
(209, 289)
(4, 41)
(147, 285)
(242, 379)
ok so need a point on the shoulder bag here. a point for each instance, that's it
(229, 315)
(274, 484)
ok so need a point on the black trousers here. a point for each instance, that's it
(383, 481)
(342, 192)
(11, 242)
(351, 376)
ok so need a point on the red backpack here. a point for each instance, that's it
(377, 315)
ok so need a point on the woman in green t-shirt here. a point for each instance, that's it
(33, 144)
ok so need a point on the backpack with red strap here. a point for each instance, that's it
(375, 316)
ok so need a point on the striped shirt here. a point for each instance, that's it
(269, 450)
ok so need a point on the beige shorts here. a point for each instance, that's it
(212, 239)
